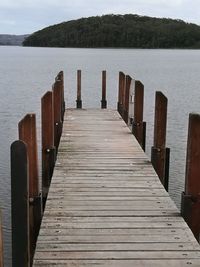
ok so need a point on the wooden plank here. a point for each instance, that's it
(187, 246)
(106, 205)
(109, 219)
(101, 204)
(103, 198)
(105, 213)
(119, 263)
(119, 255)
(104, 232)
(114, 238)
(114, 225)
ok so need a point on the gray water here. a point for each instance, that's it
(27, 73)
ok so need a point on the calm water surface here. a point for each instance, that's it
(27, 73)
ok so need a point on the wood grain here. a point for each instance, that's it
(106, 205)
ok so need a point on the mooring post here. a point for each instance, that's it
(48, 149)
(138, 126)
(60, 77)
(78, 101)
(190, 205)
(167, 163)
(120, 92)
(20, 205)
(1, 241)
(27, 134)
(57, 103)
(158, 151)
(126, 99)
(123, 95)
(103, 101)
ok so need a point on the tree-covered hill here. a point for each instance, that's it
(118, 31)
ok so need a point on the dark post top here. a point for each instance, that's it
(138, 102)
(126, 98)
(123, 83)
(78, 85)
(160, 122)
(103, 85)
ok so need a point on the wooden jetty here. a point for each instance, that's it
(105, 203)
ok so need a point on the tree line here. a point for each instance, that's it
(129, 31)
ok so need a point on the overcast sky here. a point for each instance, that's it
(27, 16)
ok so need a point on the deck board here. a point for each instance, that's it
(106, 205)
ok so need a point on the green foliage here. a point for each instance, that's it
(118, 31)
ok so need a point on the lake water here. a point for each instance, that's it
(27, 73)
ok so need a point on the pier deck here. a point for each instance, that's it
(106, 205)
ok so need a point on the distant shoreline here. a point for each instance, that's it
(102, 48)
(12, 40)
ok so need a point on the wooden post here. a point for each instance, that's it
(60, 78)
(126, 98)
(103, 101)
(27, 134)
(190, 207)
(121, 93)
(1, 241)
(57, 102)
(20, 205)
(158, 151)
(167, 163)
(144, 135)
(119, 103)
(78, 101)
(48, 149)
(138, 128)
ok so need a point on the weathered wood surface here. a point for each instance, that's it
(106, 205)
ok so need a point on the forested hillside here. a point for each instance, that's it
(118, 31)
